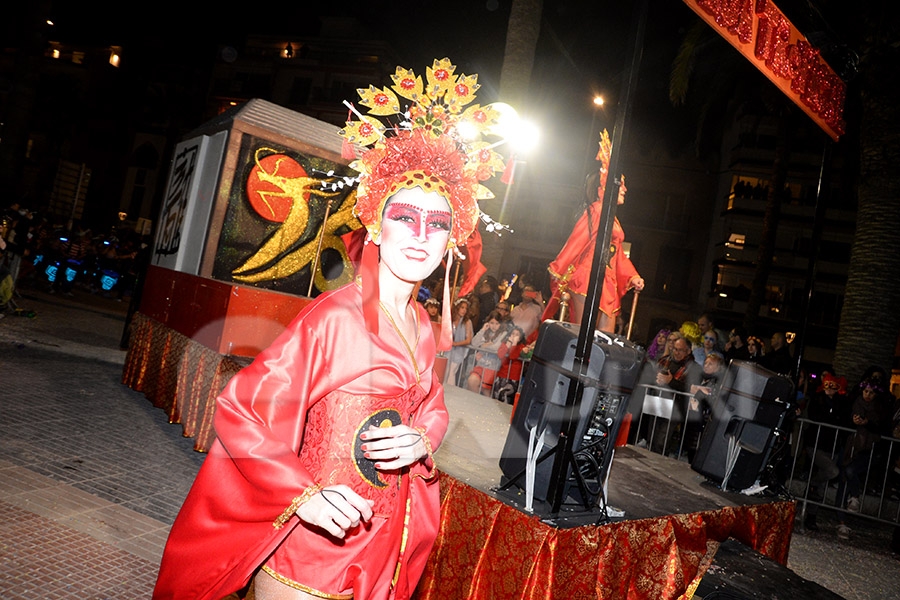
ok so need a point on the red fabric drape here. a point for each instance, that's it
(487, 550)
(474, 268)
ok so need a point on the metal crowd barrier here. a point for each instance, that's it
(468, 363)
(880, 473)
(672, 406)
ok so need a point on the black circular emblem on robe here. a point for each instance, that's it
(388, 417)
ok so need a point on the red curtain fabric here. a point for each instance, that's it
(178, 375)
(489, 550)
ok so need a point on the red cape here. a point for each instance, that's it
(578, 252)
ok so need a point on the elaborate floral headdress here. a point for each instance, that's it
(434, 143)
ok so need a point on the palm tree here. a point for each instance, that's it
(870, 318)
(522, 35)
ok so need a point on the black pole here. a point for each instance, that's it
(818, 224)
(582, 358)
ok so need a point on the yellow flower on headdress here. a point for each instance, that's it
(480, 118)
(483, 161)
(407, 84)
(365, 132)
(461, 92)
(440, 77)
(380, 102)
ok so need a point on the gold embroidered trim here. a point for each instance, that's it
(428, 449)
(402, 542)
(304, 588)
(409, 349)
(299, 500)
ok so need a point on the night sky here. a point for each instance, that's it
(582, 51)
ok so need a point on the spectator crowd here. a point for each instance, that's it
(834, 430)
(43, 253)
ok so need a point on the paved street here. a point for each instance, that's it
(91, 475)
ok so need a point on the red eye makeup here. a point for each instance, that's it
(419, 221)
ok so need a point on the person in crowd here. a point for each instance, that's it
(510, 372)
(754, 349)
(871, 418)
(704, 395)
(679, 371)
(527, 315)
(433, 308)
(19, 237)
(691, 332)
(736, 347)
(488, 297)
(486, 344)
(706, 322)
(571, 269)
(822, 441)
(74, 248)
(778, 358)
(503, 310)
(707, 347)
(462, 337)
(658, 346)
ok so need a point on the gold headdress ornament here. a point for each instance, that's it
(435, 145)
(435, 142)
(603, 155)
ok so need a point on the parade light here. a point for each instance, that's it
(107, 282)
(598, 100)
(525, 137)
(51, 273)
(467, 131)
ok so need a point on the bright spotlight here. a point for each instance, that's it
(598, 100)
(520, 134)
(467, 130)
(525, 137)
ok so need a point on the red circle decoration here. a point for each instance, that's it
(266, 197)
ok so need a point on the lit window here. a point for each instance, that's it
(735, 240)
(114, 59)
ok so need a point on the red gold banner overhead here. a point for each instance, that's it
(761, 32)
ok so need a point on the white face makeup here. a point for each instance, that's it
(415, 230)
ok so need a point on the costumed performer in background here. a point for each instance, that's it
(572, 268)
(321, 483)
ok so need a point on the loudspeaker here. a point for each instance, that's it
(750, 406)
(612, 373)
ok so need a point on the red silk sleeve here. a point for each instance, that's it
(625, 272)
(260, 415)
(580, 242)
(431, 420)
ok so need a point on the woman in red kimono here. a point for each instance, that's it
(321, 483)
(572, 268)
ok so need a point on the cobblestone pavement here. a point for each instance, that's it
(92, 476)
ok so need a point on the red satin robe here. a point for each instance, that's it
(578, 253)
(239, 509)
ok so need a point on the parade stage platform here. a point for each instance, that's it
(488, 548)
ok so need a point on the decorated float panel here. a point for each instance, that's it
(250, 229)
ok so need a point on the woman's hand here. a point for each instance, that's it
(393, 447)
(638, 283)
(336, 509)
